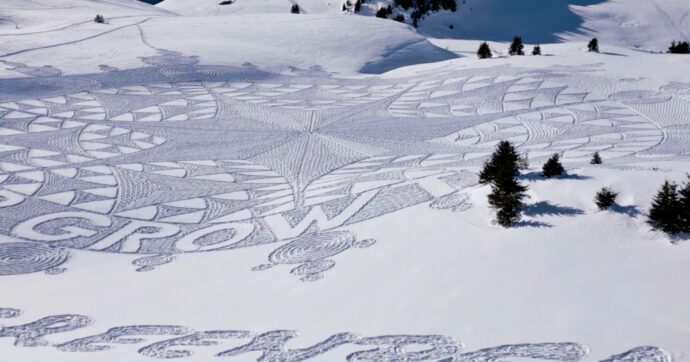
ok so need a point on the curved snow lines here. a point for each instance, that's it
(310, 253)
(169, 341)
(73, 41)
(658, 137)
(24, 258)
(641, 354)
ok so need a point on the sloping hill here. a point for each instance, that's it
(646, 24)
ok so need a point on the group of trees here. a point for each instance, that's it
(423, 7)
(682, 47)
(670, 211)
(516, 48)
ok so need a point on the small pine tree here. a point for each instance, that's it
(553, 167)
(516, 47)
(665, 212)
(295, 9)
(536, 50)
(596, 159)
(358, 6)
(399, 18)
(389, 10)
(484, 51)
(605, 198)
(382, 13)
(506, 196)
(99, 19)
(593, 45)
(684, 199)
(505, 156)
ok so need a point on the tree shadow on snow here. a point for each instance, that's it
(537, 175)
(631, 210)
(542, 208)
(533, 224)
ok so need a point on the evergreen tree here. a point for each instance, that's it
(505, 156)
(99, 19)
(501, 170)
(596, 159)
(358, 6)
(484, 51)
(399, 18)
(382, 13)
(666, 208)
(389, 10)
(294, 9)
(536, 50)
(593, 45)
(506, 196)
(605, 198)
(516, 47)
(684, 198)
(553, 167)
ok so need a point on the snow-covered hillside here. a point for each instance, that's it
(645, 24)
(206, 182)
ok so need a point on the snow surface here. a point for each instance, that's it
(263, 185)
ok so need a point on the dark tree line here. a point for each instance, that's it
(682, 47)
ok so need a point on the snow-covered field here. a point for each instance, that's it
(201, 182)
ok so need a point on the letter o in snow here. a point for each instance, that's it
(187, 243)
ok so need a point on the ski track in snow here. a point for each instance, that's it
(155, 341)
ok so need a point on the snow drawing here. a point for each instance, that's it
(174, 341)
(239, 157)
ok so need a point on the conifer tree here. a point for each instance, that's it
(501, 170)
(294, 9)
(553, 167)
(516, 47)
(666, 208)
(358, 6)
(593, 45)
(596, 159)
(506, 196)
(536, 50)
(382, 13)
(484, 51)
(504, 156)
(99, 19)
(605, 198)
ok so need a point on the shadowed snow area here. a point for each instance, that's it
(202, 183)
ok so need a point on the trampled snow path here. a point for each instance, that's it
(182, 158)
